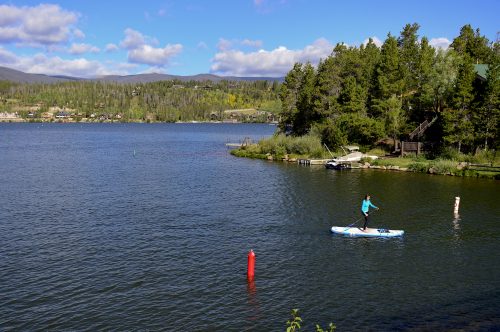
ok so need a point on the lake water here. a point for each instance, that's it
(148, 226)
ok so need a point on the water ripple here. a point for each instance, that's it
(102, 238)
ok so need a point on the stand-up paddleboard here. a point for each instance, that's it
(369, 232)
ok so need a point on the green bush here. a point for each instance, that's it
(418, 166)
(279, 145)
(441, 166)
(484, 157)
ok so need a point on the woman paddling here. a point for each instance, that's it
(365, 207)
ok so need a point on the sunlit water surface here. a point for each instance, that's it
(147, 227)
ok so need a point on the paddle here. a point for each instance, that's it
(354, 223)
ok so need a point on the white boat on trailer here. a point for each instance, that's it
(345, 161)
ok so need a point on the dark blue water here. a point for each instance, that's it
(147, 227)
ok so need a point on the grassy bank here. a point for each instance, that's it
(438, 166)
(279, 147)
(450, 162)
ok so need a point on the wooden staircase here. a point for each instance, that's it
(421, 128)
(402, 148)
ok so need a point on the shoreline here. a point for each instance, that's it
(431, 167)
(119, 121)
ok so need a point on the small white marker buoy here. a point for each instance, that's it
(457, 204)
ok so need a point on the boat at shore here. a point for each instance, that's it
(352, 155)
(331, 164)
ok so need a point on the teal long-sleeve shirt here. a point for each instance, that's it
(365, 206)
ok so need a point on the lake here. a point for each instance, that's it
(148, 226)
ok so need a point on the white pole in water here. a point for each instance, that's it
(457, 204)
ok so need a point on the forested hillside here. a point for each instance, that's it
(363, 94)
(156, 101)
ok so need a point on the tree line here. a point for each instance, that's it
(166, 101)
(366, 93)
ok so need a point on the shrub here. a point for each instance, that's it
(279, 145)
(453, 154)
(418, 166)
(441, 166)
(484, 157)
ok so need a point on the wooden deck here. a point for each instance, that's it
(312, 161)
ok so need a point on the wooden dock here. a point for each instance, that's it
(309, 162)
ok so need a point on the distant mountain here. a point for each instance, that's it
(8, 74)
(155, 77)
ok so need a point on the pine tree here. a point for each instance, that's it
(408, 62)
(488, 114)
(353, 96)
(458, 125)
(289, 93)
(328, 87)
(387, 75)
(305, 115)
(471, 43)
(423, 98)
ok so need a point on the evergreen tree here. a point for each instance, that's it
(408, 62)
(370, 57)
(328, 87)
(289, 93)
(353, 96)
(471, 43)
(487, 116)
(388, 77)
(458, 126)
(423, 98)
(305, 115)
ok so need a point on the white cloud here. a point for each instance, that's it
(42, 64)
(9, 15)
(83, 48)
(77, 33)
(140, 49)
(111, 48)
(268, 63)
(149, 55)
(224, 44)
(45, 24)
(133, 39)
(441, 42)
(7, 58)
(252, 43)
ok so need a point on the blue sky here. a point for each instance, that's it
(223, 37)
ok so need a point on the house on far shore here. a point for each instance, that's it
(62, 115)
(10, 117)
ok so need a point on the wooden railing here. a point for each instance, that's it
(421, 128)
(484, 167)
(411, 147)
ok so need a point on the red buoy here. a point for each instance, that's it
(251, 265)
